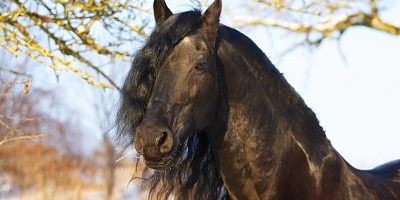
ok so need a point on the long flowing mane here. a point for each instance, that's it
(196, 174)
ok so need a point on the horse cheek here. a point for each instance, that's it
(193, 91)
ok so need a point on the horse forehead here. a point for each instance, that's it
(193, 42)
(187, 40)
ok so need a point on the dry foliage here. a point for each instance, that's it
(39, 165)
(18, 118)
(40, 154)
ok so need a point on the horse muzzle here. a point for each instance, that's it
(155, 142)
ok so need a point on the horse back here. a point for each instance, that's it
(390, 170)
(384, 180)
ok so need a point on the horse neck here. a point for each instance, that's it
(270, 131)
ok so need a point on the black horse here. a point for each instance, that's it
(214, 119)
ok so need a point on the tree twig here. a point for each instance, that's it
(25, 137)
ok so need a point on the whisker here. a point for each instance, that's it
(127, 155)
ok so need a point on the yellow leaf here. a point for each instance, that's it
(27, 85)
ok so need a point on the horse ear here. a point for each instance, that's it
(161, 11)
(210, 21)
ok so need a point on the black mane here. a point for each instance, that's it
(196, 174)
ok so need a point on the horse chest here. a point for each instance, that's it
(246, 169)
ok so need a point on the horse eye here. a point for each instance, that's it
(200, 67)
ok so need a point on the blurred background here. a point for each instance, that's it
(62, 64)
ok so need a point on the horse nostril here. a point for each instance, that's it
(161, 139)
(164, 142)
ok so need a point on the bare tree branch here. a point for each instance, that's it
(321, 19)
(340, 23)
(74, 30)
(17, 73)
(25, 137)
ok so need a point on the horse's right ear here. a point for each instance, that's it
(161, 11)
(210, 21)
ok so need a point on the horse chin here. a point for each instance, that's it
(161, 165)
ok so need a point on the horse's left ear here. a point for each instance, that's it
(210, 21)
